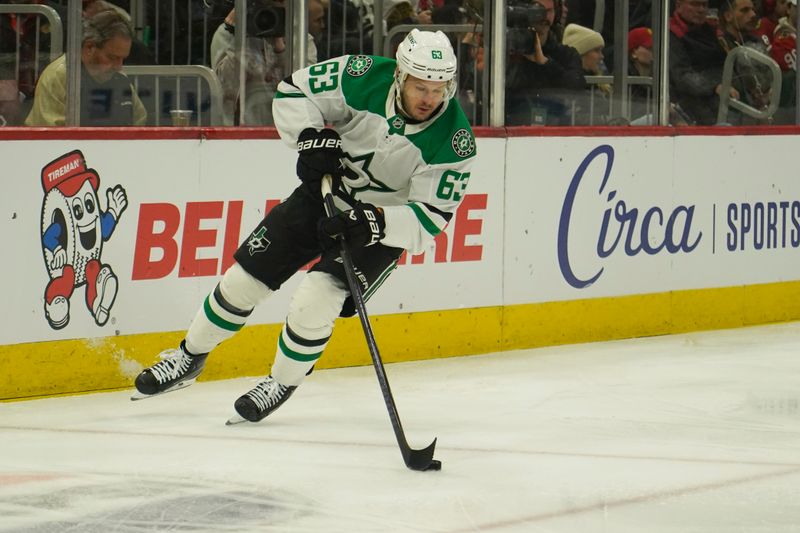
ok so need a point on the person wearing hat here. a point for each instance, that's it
(640, 63)
(640, 52)
(591, 105)
(107, 96)
(589, 45)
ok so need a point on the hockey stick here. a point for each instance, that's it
(414, 459)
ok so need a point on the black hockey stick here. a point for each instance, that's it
(414, 459)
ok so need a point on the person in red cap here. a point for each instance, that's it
(640, 51)
(640, 63)
(73, 232)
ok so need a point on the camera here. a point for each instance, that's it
(264, 17)
(520, 18)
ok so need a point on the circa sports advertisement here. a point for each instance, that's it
(602, 217)
(130, 238)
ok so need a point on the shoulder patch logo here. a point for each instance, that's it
(463, 143)
(359, 65)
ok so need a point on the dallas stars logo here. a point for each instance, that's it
(258, 241)
(463, 143)
(359, 65)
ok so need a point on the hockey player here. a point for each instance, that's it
(399, 149)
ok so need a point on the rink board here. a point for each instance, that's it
(560, 240)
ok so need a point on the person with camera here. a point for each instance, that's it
(540, 70)
(263, 56)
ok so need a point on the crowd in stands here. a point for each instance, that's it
(558, 64)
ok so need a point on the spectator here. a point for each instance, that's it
(640, 63)
(784, 52)
(539, 69)
(22, 37)
(695, 62)
(784, 39)
(349, 29)
(773, 11)
(737, 23)
(590, 106)
(107, 96)
(264, 65)
(402, 12)
(140, 54)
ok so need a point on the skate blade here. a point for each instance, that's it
(235, 419)
(178, 386)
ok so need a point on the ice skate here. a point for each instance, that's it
(262, 400)
(176, 370)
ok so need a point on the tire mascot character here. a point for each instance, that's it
(73, 231)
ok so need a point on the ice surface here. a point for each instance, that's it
(688, 433)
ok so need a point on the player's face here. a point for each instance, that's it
(103, 61)
(421, 97)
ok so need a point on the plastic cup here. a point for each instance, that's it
(181, 117)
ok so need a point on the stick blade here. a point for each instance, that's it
(422, 460)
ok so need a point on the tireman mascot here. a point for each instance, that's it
(73, 232)
(399, 149)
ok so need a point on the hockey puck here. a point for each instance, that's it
(435, 465)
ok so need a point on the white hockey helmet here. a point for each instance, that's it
(428, 56)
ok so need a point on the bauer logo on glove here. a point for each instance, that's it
(361, 226)
(319, 153)
(329, 143)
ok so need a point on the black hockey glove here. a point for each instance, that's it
(361, 226)
(319, 153)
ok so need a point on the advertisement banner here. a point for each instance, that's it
(129, 237)
(599, 217)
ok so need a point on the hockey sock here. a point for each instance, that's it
(215, 322)
(295, 356)
(313, 310)
(225, 311)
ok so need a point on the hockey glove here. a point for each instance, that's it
(319, 153)
(361, 226)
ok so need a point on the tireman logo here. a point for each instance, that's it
(463, 143)
(359, 65)
(74, 228)
(436, 54)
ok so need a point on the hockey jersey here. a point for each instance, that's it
(784, 45)
(417, 172)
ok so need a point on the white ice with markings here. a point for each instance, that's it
(688, 433)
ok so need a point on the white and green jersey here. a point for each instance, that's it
(417, 172)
